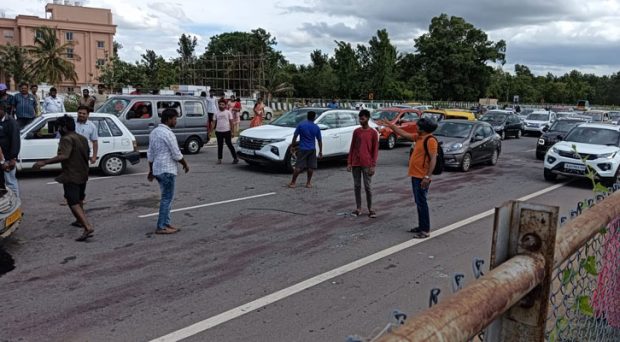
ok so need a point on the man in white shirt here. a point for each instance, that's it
(163, 155)
(212, 108)
(88, 130)
(53, 103)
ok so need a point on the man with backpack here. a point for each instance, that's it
(426, 160)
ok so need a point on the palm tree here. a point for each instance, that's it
(52, 62)
(14, 62)
(275, 89)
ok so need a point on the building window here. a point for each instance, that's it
(8, 34)
(70, 90)
(100, 62)
(39, 34)
(69, 36)
(70, 53)
(100, 44)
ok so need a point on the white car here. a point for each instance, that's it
(247, 110)
(117, 146)
(536, 121)
(599, 144)
(270, 144)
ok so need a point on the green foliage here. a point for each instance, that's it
(51, 60)
(567, 276)
(15, 61)
(584, 307)
(560, 325)
(589, 265)
(72, 102)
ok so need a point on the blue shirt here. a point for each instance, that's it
(332, 105)
(308, 132)
(25, 106)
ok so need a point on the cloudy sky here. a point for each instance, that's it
(549, 36)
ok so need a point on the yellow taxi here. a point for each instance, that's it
(445, 114)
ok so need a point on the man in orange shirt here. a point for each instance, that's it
(421, 165)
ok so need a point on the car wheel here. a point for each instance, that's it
(112, 165)
(192, 145)
(391, 142)
(268, 116)
(494, 158)
(466, 162)
(518, 135)
(245, 116)
(290, 159)
(550, 176)
(540, 156)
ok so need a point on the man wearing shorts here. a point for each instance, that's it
(308, 132)
(73, 154)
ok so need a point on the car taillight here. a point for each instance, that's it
(135, 145)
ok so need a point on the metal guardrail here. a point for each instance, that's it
(542, 285)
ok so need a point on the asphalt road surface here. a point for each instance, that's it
(254, 261)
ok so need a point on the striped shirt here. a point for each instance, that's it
(25, 106)
(163, 151)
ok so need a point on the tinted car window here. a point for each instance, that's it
(409, 117)
(384, 115)
(113, 106)
(194, 109)
(117, 132)
(102, 128)
(163, 105)
(487, 131)
(346, 120)
(330, 120)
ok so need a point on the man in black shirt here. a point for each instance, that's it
(10, 143)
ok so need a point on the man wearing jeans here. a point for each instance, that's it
(362, 160)
(10, 142)
(163, 155)
(421, 166)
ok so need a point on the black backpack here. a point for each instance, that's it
(439, 165)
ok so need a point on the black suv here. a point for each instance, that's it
(505, 123)
(558, 130)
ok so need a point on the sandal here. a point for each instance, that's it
(421, 235)
(356, 212)
(87, 234)
(372, 214)
(166, 231)
(414, 230)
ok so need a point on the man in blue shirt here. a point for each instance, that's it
(333, 104)
(25, 106)
(308, 132)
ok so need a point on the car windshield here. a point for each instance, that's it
(494, 118)
(564, 125)
(595, 116)
(114, 106)
(614, 115)
(453, 130)
(594, 135)
(294, 117)
(384, 115)
(434, 116)
(538, 117)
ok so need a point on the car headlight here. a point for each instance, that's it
(555, 150)
(541, 141)
(271, 141)
(607, 155)
(454, 147)
(499, 128)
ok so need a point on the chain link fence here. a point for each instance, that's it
(585, 296)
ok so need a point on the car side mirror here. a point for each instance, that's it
(323, 127)
(477, 138)
(559, 138)
(545, 129)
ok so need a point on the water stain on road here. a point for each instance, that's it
(146, 202)
(7, 264)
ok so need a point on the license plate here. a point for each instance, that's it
(14, 217)
(246, 151)
(574, 167)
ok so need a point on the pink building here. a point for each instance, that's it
(90, 29)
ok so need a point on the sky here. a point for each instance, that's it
(548, 36)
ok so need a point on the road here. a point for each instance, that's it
(242, 267)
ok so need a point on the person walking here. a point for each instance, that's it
(10, 143)
(223, 123)
(88, 130)
(25, 106)
(53, 103)
(73, 156)
(308, 132)
(87, 100)
(362, 161)
(163, 155)
(212, 108)
(421, 165)
(259, 113)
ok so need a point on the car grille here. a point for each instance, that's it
(252, 143)
(532, 124)
(571, 154)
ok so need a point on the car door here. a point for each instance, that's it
(347, 123)
(40, 143)
(477, 146)
(139, 124)
(179, 129)
(512, 125)
(121, 141)
(195, 117)
(105, 142)
(331, 135)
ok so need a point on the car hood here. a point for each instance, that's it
(447, 141)
(589, 149)
(268, 132)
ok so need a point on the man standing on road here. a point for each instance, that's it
(88, 130)
(34, 89)
(421, 165)
(362, 161)
(10, 143)
(73, 156)
(53, 103)
(223, 125)
(308, 132)
(163, 155)
(211, 109)
(25, 105)
(87, 100)
(6, 100)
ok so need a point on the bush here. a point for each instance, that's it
(72, 102)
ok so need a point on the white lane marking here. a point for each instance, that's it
(107, 177)
(311, 282)
(533, 150)
(212, 204)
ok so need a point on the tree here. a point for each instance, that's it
(453, 57)
(159, 72)
(51, 59)
(347, 68)
(382, 66)
(14, 62)
(187, 47)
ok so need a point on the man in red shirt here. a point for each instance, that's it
(362, 161)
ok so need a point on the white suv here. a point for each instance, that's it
(270, 144)
(599, 144)
(117, 146)
(537, 121)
